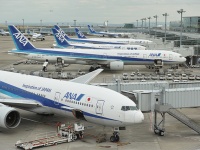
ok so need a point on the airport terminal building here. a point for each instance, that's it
(190, 24)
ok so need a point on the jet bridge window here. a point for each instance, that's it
(127, 108)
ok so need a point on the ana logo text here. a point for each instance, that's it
(80, 33)
(154, 54)
(60, 37)
(73, 96)
(92, 29)
(21, 38)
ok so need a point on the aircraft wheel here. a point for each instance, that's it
(91, 69)
(116, 138)
(97, 68)
(156, 131)
(161, 133)
(112, 138)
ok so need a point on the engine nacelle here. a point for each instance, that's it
(9, 117)
(117, 65)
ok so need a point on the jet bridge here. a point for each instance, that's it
(162, 101)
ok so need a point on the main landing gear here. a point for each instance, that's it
(114, 137)
(92, 68)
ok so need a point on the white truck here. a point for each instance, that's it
(64, 134)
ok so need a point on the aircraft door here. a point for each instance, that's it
(170, 57)
(57, 98)
(99, 107)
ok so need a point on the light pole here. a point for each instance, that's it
(41, 23)
(137, 23)
(156, 23)
(6, 23)
(23, 23)
(181, 11)
(142, 24)
(145, 22)
(149, 24)
(74, 23)
(165, 14)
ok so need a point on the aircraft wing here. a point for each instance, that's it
(20, 103)
(87, 77)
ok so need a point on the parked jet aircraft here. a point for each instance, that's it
(112, 59)
(95, 41)
(63, 43)
(49, 96)
(4, 33)
(102, 33)
(121, 40)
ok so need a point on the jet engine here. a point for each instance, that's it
(117, 65)
(9, 118)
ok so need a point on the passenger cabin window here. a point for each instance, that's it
(127, 108)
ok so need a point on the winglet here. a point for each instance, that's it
(87, 77)
(60, 39)
(21, 42)
(79, 34)
(61, 32)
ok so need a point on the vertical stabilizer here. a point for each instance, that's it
(21, 42)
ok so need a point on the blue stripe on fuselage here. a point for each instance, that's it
(84, 55)
(95, 42)
(16, 92)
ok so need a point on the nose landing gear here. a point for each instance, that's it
(114, 137)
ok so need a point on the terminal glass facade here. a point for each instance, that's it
(191, 24)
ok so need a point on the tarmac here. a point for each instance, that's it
(136, 137)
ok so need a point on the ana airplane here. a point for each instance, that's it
(63, 43)
(95, 41)
(119, 34)
(4, 33)
(120, 40)
(49, 96)
(102, 33)
(112, 59)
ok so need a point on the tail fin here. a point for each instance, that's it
(20, 41)
(61, 32)
(60, 39)
(91, 29)
(79, 34)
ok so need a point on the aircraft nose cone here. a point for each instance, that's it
(139, 117)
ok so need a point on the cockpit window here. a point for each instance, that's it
(180, 56)
(127, 108)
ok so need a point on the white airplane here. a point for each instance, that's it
(49, 96)
(112, 59)
(120, 40)
(119, 34)
(105, 40)
(107, 33)
(61, 42)
(101, 33)
(4, 33)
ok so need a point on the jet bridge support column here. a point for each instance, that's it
(159, 128)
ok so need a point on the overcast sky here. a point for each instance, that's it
(94, 11)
